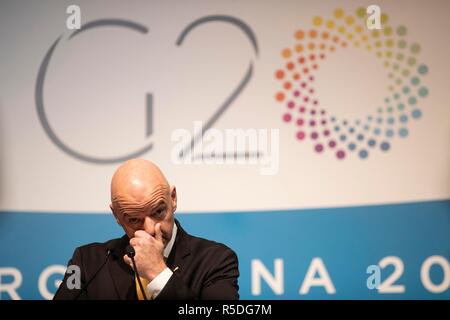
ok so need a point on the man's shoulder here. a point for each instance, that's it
(203, 246)
(96, 247)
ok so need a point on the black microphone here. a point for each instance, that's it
(131, 253)
(109, 251)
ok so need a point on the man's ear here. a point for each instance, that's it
(173, 197)
(114, 213)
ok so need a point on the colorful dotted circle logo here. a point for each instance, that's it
(392, 114)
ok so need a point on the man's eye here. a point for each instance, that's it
(160, 211)
(133, 220)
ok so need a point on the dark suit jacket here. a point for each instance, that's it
(206, 270)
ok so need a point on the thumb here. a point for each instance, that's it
(158, 233)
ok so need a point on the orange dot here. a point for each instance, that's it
(286, 53)
(332, 48)
(296, 76)
(315, 66)
(335, 39)
(290, 66)
(287, 85)
(344, 44)
(325, 35)
(305, 70)
(279, 96)
(301, 60)
(311, 46)
(279, 74)
(313, 34)
(312, 57)
(299, 48)
(300, 34)
(322, 46)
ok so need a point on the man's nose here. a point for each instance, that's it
(149, 226)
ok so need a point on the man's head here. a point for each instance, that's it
(141, 197)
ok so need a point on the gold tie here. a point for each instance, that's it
(138, 288)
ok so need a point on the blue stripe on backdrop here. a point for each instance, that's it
(347, 241)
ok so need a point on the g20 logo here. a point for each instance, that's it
(391, 115)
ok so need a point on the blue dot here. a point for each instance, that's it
(351, 130)
(391, 120)
(344, 122)
(377, 131)
(416, 114)
(343, 137)
(363, 154)
(371, 143)
(389, 133)
(379, 120)
(351, 146)
(415, 81)
(336, 128)
(366, 127)
(360, 137)
(423, 69)
(403, 132)
(385, 146)
(403, 118)
(423, 92)
(412, 100)
(357, 122)
(406, 89)
(333, 119)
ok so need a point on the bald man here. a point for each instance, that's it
(171, 264)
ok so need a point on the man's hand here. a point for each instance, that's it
(149, 253)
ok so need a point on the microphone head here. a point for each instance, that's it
(130, 251)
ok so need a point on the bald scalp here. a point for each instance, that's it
(136, 180)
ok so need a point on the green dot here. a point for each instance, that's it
(423, 69)
(405, 73)
(412, 100)
(389, 43)
(387, 31)
(402, 44)
(375, 33)
(415, 48)
(399, 81)
(400, 106)
(401, 31)
(406, 89)
(384, 18)
(380, 110)
(396, 96)
(361, 12)
(400, 56)
(412, 61)
(423, 92)
(390, 109)
(415, 81)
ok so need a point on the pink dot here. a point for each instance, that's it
(315, 102)
(322, 111)
(311, 78)
(312, 123)
(296, 93)
(287, 117)
(300, 121)
(313, 112)
(306, 99)
(318, 147)
(290, 104)
(303, 85)
(332, 144)
(300, 135)
(302, 109)
(314, 135)
(326, 133)
(311, 90)
(340, 154)
(323, 122)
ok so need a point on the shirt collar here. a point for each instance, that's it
(169, 245)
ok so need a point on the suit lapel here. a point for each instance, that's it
(179, 256)
(121, 274)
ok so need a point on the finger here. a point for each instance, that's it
(158, 232)
(127, 260)
(142, 234)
